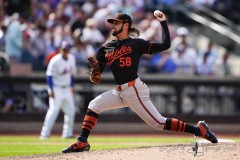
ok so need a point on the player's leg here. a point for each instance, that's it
(69, 114)
(108, 100)
(52, 113)
(137, 97)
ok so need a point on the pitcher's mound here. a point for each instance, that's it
(219, 151)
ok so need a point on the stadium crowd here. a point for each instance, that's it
(34, 36)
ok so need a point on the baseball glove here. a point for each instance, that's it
(95, 71)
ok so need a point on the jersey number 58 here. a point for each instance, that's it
(125, 61)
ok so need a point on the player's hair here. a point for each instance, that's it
(134, 32)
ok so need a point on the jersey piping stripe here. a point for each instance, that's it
(149, 48)
(145, 106)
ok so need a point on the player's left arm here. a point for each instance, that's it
(166, 41)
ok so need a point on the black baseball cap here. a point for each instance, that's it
(121, 17)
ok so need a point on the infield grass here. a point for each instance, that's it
(31, 145)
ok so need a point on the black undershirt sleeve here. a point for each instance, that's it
(166, 42)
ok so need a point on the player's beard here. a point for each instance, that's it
(115, 32)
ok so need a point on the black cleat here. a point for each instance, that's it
(77, 147)
(206, 133)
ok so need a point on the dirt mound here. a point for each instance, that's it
(220, 151)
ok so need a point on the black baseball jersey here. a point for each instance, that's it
(124, 55)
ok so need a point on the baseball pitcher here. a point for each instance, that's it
(123, 55)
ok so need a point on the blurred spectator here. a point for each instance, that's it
(129, 7)
(40, 11)
(63, 12)
(38, 46)
(144, 64)
(235, 14)
(150, 5)
(2, 37)
(90, 31)
(52, 3)
(14, 38)
(223, 7)
(4, 62)
(183, 52)
(167, 6)
(154, 31)
(82, 51)
(67, 34)
(68, 8)
(206, 61)
(100, 16)
(77, 21)
(183, 36)
(184, 56)
(104, 3)
(207, 3)
(225, 67)
(162, 63)
(50, 43)
(88, 8)
(27, 57)
(51, 55)
(4, 57)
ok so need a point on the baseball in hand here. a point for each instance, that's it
(157, 13)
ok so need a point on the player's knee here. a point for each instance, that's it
(94, 107)
(160, 124)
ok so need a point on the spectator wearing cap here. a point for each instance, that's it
(183, 53)
(183, 36)
(184, 56)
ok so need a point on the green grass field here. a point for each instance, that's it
(31, 145)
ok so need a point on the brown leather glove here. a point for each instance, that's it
(95, 71)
